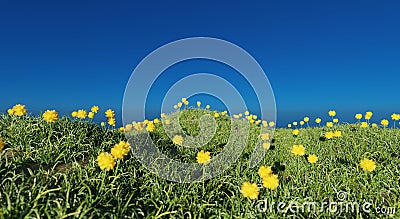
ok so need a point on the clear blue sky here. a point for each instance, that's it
(318, 55)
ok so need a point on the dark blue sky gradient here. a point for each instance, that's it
(318, 55)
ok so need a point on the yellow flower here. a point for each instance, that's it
(298, 150)
(306, 119)
(175, 106)
(138, 125)
(265, 123)
(329, 135)
(179, 105)
(335, 120)
(289, 125)
(236, 116)
(150, 126)
(374, 125)
(95, 109)
(367, 164)
(110, 113)
(184, 99)
(368, 115)
(81, 114)
(111, 121)
(74, 114)
(337, 134)
(167, 121)
(271, 181)
(128, 127)
(385, 122)
(198, 104)
(1, 144)
(18, 110)
(254, 116)
(178, 140)
(126, 147)
(318, 120)
(329, 124)
(266, 145)
(249, 190)
(395, 117)
(264, 136)
(216, 115)
(208, 107)
(203, 157)
(50, 116)
(105, 161)
(271, 124)
(264, 171)
(163, 115)
(364, 125)
(103, 124)
(358, 116)
(122, 129)
(332, 113)
(224, 113)
(301, 122)
(246, 113)
(156, 120)
(91, 115)
(294, 123)
(312, 158)
(10, 112)
(186, 103)
(295, 132)
(118, 151)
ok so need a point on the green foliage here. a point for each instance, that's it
(49, 170)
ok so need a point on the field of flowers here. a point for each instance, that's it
(69, 166)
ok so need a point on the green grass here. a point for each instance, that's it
(49, 170)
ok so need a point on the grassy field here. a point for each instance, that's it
(50, 170)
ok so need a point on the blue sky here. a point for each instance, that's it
(318, 55)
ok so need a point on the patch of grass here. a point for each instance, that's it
(49, 170)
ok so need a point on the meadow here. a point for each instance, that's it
(71, 167)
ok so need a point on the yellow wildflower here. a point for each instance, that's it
(266, 145)
(367, 164)
(178, 140)
(264, 171)
(249, 190)
(298, 150)
(105, 161)
(18, 110)
(111, 121)
(271, 181)
(81, 114)
(110, 113)
(385, 122)
(50, 116)
(203, 157)
(95, 109)
(312, 158)
(364, 125)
